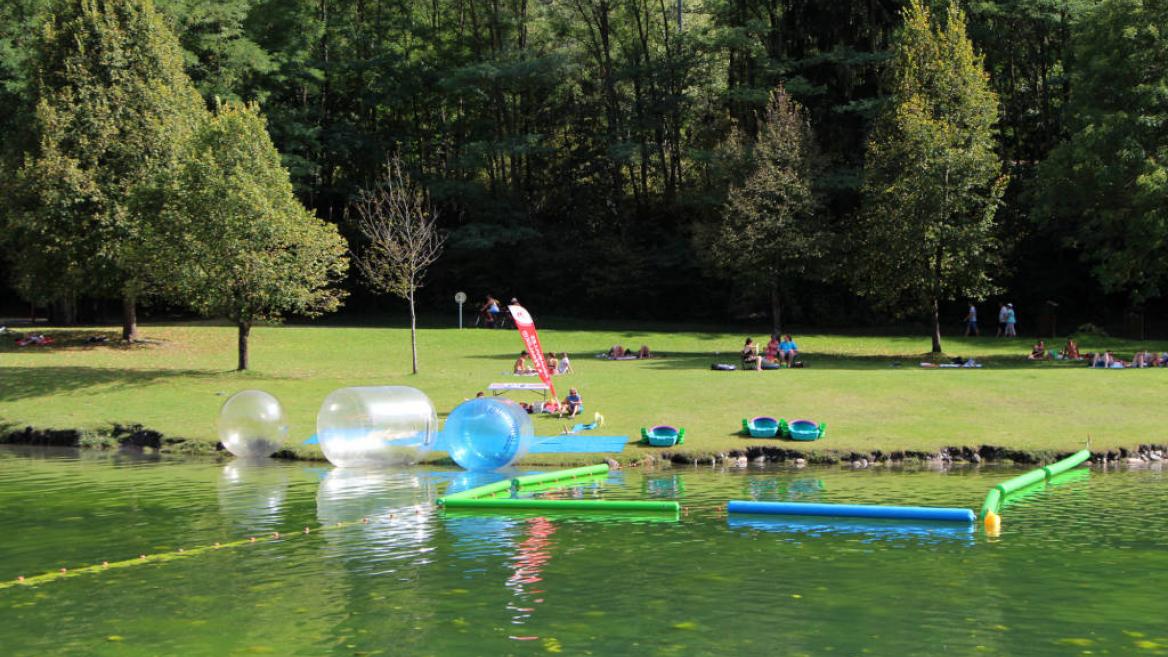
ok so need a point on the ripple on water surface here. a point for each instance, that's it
(383, 572)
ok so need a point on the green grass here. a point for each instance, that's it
(177, 385)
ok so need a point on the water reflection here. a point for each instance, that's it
(869, 530)
(777, 488)
(252, 494)
(526, 582)
(393, 507)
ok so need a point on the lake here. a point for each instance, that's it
(1079, 568)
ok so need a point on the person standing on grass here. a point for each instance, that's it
(971, 321)
(1011, 322)
(1003, 313)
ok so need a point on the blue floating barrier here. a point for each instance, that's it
(852, 511)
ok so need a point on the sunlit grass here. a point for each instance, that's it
(869, 390)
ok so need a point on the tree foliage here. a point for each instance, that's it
(772, 232)
(112, 103)
(241, 245)
(933, 179)
(1106, 187)
(590, 131)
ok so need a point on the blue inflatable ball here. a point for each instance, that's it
(487, 434)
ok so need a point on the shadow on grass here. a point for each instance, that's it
(75, 340)
(698, 360)
(30, 382)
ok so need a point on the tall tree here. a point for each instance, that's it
(933, 179)
(399, 225)
(112, 104)
(771, 231)
(1106, 188)
(241, 246)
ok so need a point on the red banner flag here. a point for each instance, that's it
(526, 327)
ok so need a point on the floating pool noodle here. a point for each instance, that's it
(490, 495)
(575, 505)
(559, 475)
(997, 495)
(852, 511)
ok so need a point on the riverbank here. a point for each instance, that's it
(878, 404)
(140, 438)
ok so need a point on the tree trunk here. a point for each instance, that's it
(776, 309)
(936, 326)
(129, 318)
(244, 333)
(413, 333)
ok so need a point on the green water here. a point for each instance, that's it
(1080, 568)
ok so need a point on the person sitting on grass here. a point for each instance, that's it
(573, 404)
(552, 364)
(1143, 359)
(617, 352)
(644, 352)
(1070, 350)
(521, 367)
(788, 350)
(565, 366)
(750, 358)
(1038, 352)
(771, 354)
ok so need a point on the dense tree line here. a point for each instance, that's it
(584, 154)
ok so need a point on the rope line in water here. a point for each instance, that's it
(164, 557)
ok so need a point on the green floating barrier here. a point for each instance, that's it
(993, 502)
(1066, 464)
(1022, 481)
(588, 515)
(486, 490)
(559, 475)
(560, 483)
(997, 495)
(573, 505)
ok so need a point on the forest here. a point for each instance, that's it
(600, 158)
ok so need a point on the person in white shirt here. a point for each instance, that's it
(971, 321)
(1003, 313)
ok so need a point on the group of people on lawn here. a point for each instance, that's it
(1102, 359)
(571, 405)
(555, 365)
(779, 352)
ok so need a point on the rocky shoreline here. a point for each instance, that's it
(138, 437)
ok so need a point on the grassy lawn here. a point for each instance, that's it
(177, 384)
